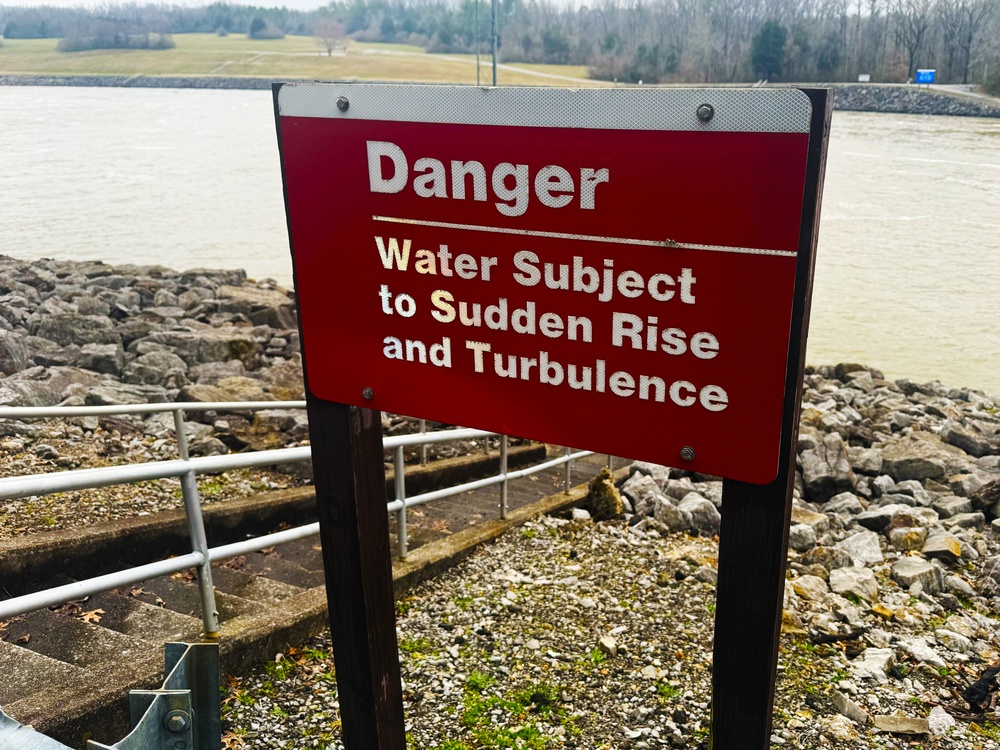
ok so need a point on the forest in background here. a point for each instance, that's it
(657, 41)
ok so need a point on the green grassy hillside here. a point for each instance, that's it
(291, 57)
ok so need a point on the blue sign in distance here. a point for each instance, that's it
(925, 76)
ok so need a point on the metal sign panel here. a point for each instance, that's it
(611, 269)
(926, 75)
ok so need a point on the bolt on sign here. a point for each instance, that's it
(609, 268)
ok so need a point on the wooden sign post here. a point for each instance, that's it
(476, 256)
(753, 541)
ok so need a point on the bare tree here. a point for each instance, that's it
(913, 20)
(329, 33)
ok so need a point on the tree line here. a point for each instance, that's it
(653, 41)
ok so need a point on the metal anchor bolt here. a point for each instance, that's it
(705, 112)
(342, 104)
(368, 394)
(687, 453)
(176, 721)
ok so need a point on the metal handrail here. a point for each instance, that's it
(186, 468)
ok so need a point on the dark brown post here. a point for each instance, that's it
(753, 541)
(349, 475)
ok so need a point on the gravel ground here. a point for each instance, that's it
(595, 635)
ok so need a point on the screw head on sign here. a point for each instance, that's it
(342, 104)
(687, 453)
(368, 394)
(705, 112)
(176, 721)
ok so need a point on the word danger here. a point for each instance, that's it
(554, 186)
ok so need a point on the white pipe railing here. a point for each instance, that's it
(187, 468)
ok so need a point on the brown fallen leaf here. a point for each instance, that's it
(137, 591)
(93, 615)
(24, 638)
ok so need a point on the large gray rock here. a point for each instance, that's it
(826, 470)
(973, 443)
(705, 517)
(854, 582)
(211, 373)
(41, 386)
(951, 505)
(801, 537)
(123, 393)
(660, 474)
(819, 522)
(910, 570)
(921, 455)
(812, 588)
(262, 306)
(13, 353)
(157, 368)
(879, 517)
(863, 548)
(674, 518)
(642, 491)
(105, 358)
(901, 724)
(206, 345)
(846, 503)
(73, 328)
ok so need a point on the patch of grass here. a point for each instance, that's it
(666, 691)
(478, 682)
(416, 647)
(463, 602)
(280, 669)
(279, 713)
(510, 721)
(529, 533)
(597, 656)
(210, 488)
(291, 57)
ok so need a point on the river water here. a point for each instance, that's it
(908, 267)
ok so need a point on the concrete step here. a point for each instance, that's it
(245, 585)
(305, 552)
(137, 619)
(66, 636)
(179, 593)
(274, 567)
(23, 672)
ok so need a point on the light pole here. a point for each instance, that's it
(495, 42)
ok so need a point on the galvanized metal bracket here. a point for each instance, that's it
(183, 714)
(16, 736)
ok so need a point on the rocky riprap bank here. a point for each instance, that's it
(911, 100)
(92, 334)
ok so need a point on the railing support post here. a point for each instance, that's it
(567, 451)
(399, 475)
(196, 529)
(503, 471)
(423, 446)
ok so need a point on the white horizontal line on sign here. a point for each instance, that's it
(668, 243)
